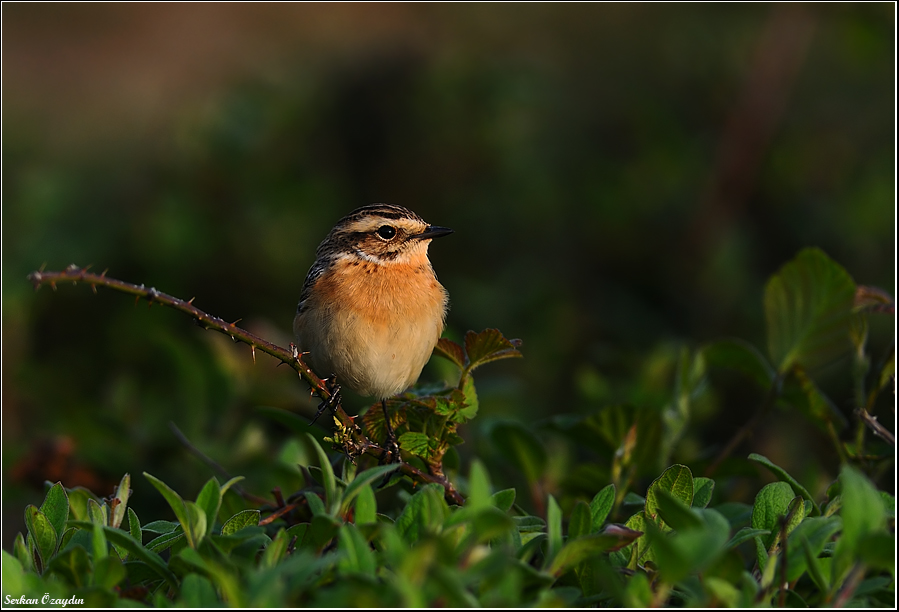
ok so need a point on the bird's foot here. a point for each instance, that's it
(333, 400)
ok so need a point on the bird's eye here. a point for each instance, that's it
(386, 232)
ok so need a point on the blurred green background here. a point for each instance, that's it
(622, 180)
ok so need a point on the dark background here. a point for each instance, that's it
(622, 180)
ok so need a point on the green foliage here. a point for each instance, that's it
(483, 553)
(586, 536)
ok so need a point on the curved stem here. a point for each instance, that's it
(291, 356)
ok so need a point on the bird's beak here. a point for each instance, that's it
(433, 231)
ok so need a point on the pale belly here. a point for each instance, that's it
(378, 341)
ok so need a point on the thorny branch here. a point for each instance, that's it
(354, 442)
(878, 429)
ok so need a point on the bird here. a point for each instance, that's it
(371, 309)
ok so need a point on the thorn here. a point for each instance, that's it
(94, 288)
(103, 274)
(136, 299)
(234, 339)
(71, 268)
(236, 322)
(87, 267)
(53, 285)
(191, 300)
(43, 265)
(253, 350)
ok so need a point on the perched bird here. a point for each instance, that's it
(372, 309)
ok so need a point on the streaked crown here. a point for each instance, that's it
(380, 233)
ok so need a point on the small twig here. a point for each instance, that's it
(852, 582)
(879, 430)
(748, 427)
(278, 513)
(214, 465)
(783, 564)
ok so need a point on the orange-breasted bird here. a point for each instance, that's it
(372, 310)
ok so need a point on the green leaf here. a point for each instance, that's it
(813, 534)
(134, 526)
(580, 523)
(489, 345)
(676, 480)
(123, 492)
(527, 524)
(197, 522)
(100, 547)
(424, 513)
(97, 513)
(176, 503)
(356, 554)
(601, 505)
(229, 484)
(109, 572)
(771, 503)
(275, 550)
(553, 528)
(244, 518)
(332, 495)
(878, 551)
(863, 508)
(415, 442)
(364, 480)
(366, 506)
(808, 304)
(478, 486)
(519, 445)
(636, 551)
(78, 497)
(323, 529)
(675, 513)
(784, 476)
(690, 551)
(746, 533)
(638, 593)
(160, 527)
(315, 503)
(580, 549)
(166, 540)
(42, 533)
(813, 566)
(197, 592)
(736, 354)
(14, 575)
(468, 401)
(702, 492)
(56, 508)
(210, 500)
(503, 499)
(73, 566)
(22, 555)
(448, 349)
(302, 534)
(135, 550)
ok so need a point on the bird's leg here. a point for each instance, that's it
(333, 401)
(390, 445)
